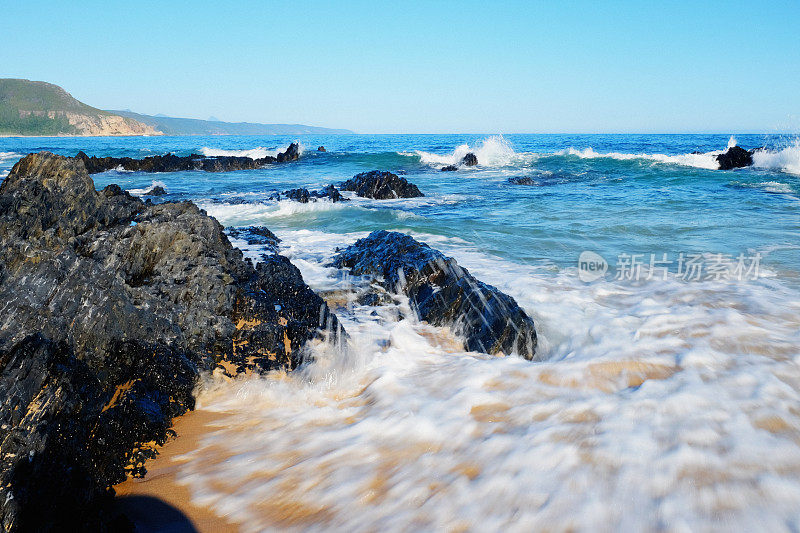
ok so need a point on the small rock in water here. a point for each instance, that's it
(292, 153)
(158, 190)
(735, 157)
(470, 160)
(449, 168)
(321, 149)
(381, 185)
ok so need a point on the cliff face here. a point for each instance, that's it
(39, 108)
(110, 308)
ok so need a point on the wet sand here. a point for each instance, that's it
(158, 502)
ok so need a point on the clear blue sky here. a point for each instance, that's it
(416, 67)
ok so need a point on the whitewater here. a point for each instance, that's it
(665, 400)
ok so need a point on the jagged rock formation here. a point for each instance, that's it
(443, 293)
(110, 309)
(381, 185)
(158, 190)
(174, 163)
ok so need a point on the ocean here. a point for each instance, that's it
(666, 296)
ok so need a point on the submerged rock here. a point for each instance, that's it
(174, 163)
(735, 157)
(470, 160)
(381, 185)
(449, 168)
(321, 149)
(443, 293)
(111, 308)
(522, 180)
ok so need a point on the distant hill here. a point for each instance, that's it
(40, 108)
(192, 126)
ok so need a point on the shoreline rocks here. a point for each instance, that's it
(443, 293)
(112, 307)
(469, 160)
(305, 196)
(174, 163)
(381, 185)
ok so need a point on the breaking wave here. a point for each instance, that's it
(494, 151)
(139, 192)
(259, 152)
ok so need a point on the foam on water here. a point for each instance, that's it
(7, 156)
(666, 403)
(258, 152)
(705, 160)
(494, 151)
(786, 159)
(154, 183)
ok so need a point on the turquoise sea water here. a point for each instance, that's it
(668, 400)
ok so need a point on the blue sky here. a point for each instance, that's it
(424, 67)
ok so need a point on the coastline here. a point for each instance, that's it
(158, 502)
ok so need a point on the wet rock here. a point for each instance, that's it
(304, 195)
(443, 293)
(158, 190)
(321, 149)
(381, 185)
(292, 153)
(470, 160)
(522, 180)
(735, 157)
(174, 163)
(111, 309)
(449, 168)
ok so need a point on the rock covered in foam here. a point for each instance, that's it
(381, 185)
(442, 292)
(112, 307)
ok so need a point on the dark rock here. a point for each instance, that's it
(443, 293)
(735, 157)
(449, 168)
(254, 235)
(174, 163)
(330, 192)
(158, 190)
(470, 160)
(321, 149)
(292, 153)
(111, 309)
(381, 186)
(522, 180)
(298, 195)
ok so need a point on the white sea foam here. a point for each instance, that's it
(258, 152)
(6, 156)
(494, 151)
(664, 403)
(705, 160)
(786, 159)
(139, 192)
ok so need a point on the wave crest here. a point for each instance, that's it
(494, 151)
(259, 152)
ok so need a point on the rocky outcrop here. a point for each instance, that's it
(449, 168)
(469, 160)
(110, 309)
(105, 124)
(305, 196)
(321, 149)
(174, 163)
(443, 293)
(381, 185)
(735, 157)
(292, 153)
(158, 190)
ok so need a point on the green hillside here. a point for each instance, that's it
(25, 104)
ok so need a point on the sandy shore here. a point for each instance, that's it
(157, 502)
